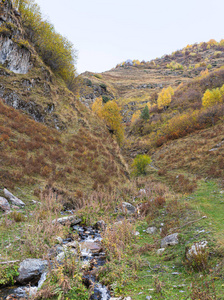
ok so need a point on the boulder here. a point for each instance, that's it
(128, 208)
(30, 270)
(196, 249)
(151, 230)
(73, 220)
(169, 240)
(4, 204)
(12, 198)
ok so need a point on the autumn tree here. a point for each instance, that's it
(212, 97)
(135, 116)
(98, 106)
(164, 97)
(110, 113)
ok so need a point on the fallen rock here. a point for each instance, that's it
(4, 204)
(151, 230)
(169, 240)
(128, 208)
(73, 220)
(12, 198)
(196, 249)
(30, 270)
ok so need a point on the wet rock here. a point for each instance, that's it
(12, 198)
(195, 249)
(151, 230)
(73, 220)
(93, 247)
(169, 240)
(128, 208)
(30, 270)
(4, 204)
(100, 225)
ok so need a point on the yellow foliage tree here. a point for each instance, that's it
(164, 97)
(211, 97)
(97, 106)
(135, 116)
(110, 113)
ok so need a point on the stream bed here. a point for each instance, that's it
(90, 253)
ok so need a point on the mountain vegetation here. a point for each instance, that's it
(111, 185)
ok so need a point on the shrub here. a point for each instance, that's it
(140, 163)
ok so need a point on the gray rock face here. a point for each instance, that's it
(169, 240)
(73, 220)
(151, 230)
(12, 198)
(4, 204)
(13, 57)
(128, 208)
(30, 270)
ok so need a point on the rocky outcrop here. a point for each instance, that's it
(14, 52)
(12, 198)
(13, 57)
(30, 270)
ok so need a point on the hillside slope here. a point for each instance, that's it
(48, 138)
(134, 84)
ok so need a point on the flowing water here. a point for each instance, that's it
(89, 243)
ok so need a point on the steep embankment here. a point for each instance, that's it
(48, 138)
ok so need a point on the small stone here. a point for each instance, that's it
(59, 239)
(148, 297)
(175, 273)
(160, 251)
(128, 208)
(151, 230)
